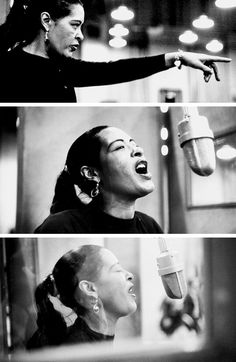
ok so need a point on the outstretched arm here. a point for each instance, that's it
(200, 61)
(84, 74)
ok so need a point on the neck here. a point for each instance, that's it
(123, 209)
(101, 322)
(37, 47)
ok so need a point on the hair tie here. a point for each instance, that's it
(51, 277)
(51, 285)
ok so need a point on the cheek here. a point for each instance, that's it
(111, 291)
(60, 36)
(118, 168)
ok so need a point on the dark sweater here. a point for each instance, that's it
(79, 332)
(94, 221)
(31, 78)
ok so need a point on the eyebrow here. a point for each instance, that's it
(119, 139)
(113, 265)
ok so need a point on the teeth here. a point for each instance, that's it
(73, 47)
(141, 167)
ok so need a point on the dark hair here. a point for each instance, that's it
(23, 21)
(85, 151)
(72, 267)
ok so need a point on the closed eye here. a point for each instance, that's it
(119, 147)
(76, 25)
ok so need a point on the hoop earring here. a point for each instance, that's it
(96, 307)
(95, 191)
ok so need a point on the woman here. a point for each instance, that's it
(38, 40)
(94, 285)
(107, 165)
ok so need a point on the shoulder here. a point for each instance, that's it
(149, 222)
(15, 53)
(68, 221)
(16, 62)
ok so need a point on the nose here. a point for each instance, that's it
(137, 151)
(130, 276)
(79, 35)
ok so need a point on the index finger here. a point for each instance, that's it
(219, 59)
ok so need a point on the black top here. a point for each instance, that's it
(94, 221)
(30, 78)
(79, 332)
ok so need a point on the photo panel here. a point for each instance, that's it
(134, 282)
(185, 181)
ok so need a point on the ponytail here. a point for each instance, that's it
(52, 327)
(65, 197)
(12, 32)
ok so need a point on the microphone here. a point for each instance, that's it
(197, 140)
(171, 271)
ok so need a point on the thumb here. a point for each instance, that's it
(206, 69)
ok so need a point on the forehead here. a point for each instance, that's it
(108, 258)
(76, 12)
(111, 134)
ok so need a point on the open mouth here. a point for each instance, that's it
(141, 167)
(131, 292)
(74, 47)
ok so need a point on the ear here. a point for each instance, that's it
(46, 20)
(90, 173)
(88, 288)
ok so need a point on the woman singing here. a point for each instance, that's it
(37, 43)
(94, 285)
(110, 169)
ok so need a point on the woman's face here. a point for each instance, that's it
(115, 287)
(124, 169)
(65, 34)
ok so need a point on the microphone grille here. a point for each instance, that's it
(174, 284)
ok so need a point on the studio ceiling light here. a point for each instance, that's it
(214, 46)
(203, 22)
(118, 30)
(226, 152)
(164, 108)
(188, 37)
(225, 4)
(117, 42)
(164, 150)
(164, 133)
(122, 13)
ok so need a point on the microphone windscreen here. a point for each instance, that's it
(197, 141)
(171, 271)
(175, 285)
(200, 155)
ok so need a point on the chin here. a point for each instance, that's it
(67, 54)
(147, 190)
(128, 311)
(133, 308)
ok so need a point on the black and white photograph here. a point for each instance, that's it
(117, 51)
(117, 299)
(109, 169)
(117, 180)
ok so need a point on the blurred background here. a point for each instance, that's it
(206, 316)
(34, 142)
(131, 28)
